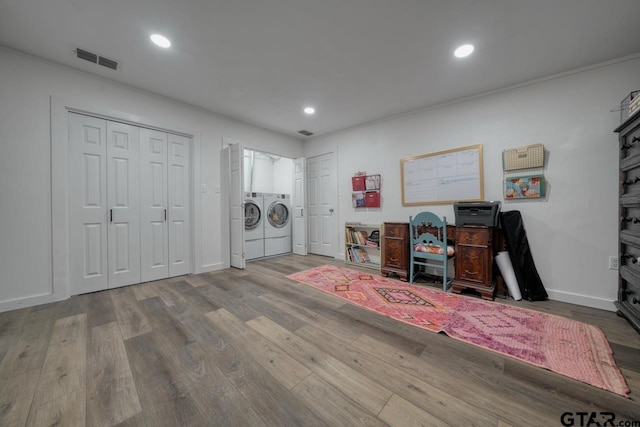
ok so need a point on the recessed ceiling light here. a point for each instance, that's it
(309, 110)
(464, 50)
(161, 41)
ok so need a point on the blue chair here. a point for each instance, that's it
(429, 246)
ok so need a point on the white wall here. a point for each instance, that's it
(262, 177)
(267, 173)
(283, 176)
(26, 86)
(573, 233)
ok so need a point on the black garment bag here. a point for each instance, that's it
(515, 238)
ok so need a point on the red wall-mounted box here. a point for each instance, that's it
(372, 199)
(358, 183)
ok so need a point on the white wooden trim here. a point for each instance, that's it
(583, 300)
(213, 267)
(30, 301)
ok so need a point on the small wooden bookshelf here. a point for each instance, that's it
(362, 245)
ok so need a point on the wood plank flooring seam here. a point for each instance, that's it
(475, 384)
(29, 348)
(406, 384)
(68, 339)
(365, 391)
(280, 364)
(32, 408)
(33, 393)
(385, 404)
(109, 371)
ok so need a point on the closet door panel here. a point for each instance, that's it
(153, 205)
(179, 216)
(87, 204)
(123, 195)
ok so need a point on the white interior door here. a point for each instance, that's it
(299, 228)
(322, 200)
(153, 205)
(123, 201)
(87, 204)
(178, 215)
(236, 205)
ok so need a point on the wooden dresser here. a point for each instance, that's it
(474, 260)
(395, 249)
(628, 303)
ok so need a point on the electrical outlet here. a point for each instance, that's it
(613, 263)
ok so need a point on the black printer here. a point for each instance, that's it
(477, 213)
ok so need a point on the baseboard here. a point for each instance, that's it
(16, 304)
(587, 301)
(212, 267)
(31, 301)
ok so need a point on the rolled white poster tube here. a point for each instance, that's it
(504, 264)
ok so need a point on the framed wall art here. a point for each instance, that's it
(524, 187)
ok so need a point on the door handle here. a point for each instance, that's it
(110, 215)
(330, 210)
(165, 214)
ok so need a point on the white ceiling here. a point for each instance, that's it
(356, 61)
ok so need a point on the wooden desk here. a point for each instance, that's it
(474, 260)
(396, 246)
(475, 248)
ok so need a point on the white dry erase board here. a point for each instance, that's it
(443, 177)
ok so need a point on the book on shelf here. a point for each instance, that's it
(353, 255)
(358, 256)
(358, 237)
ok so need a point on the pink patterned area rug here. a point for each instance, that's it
(574, 349)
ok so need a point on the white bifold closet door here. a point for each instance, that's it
(179, 223)
(164, 205)
(129, 199)
(153, 178)
(123, 200)
(104, 204)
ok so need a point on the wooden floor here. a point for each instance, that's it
(252, 348)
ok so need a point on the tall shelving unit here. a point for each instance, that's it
(362, 247)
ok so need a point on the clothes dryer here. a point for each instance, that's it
(253, 225)
(277, 227)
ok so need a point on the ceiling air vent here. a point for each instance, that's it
(305, 132)
(87, 56)
(109, 63)
(96, 59)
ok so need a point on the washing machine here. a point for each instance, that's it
(277, 227)
(253, 226)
